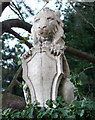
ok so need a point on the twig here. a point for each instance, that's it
(14, 11)
(88, 90)
(86, 69)
(42, 7)
(18, 11)
(85, 4)
(14, 81)
(82, 15)
(30, 11)
(17, 82)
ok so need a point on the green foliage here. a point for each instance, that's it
(81, 36)
(82, 110)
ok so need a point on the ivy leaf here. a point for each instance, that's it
(22, 42)
(77, 104)
(23, 114)
(82, 113)
(64, 112)
(7, 111)
(55, 115)
(49, 103)
(16, 59)
(82, 104)
(36, 103)
(29, 112)
(19, 62)
(17, 115)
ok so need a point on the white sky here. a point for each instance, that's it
(36, 6)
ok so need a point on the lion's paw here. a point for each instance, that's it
(27, 54)
(54, 51)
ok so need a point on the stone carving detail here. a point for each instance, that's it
(45, 65)
(48, 27)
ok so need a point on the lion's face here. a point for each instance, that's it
(45, 23)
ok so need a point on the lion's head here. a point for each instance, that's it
(47, 24)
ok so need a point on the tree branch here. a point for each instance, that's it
(18, 11)
(92, 67)
(15, 23)
(85, 4)
(14, 81)
(10, 6)
(3, 5)
(19, 37)
(80, 54)
(82, 15)
(8, 24)
(17, 82)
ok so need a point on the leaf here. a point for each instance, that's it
(42, 113)
(23, 114)
(79, 82)
(82, 113)
(64, 112)
(16, 115)
(43, 109)
(55, 115)
(20, 85)
(49, 103)
(50, 111)
(36, 103)
(23, 83)
(7, 111)
(29, 112)
(21, 41)
(77, 103)
(82, 104)
(16, 59)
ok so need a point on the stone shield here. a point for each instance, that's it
(42, 72)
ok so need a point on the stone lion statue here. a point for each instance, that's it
(48, 26)
(48, 30)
